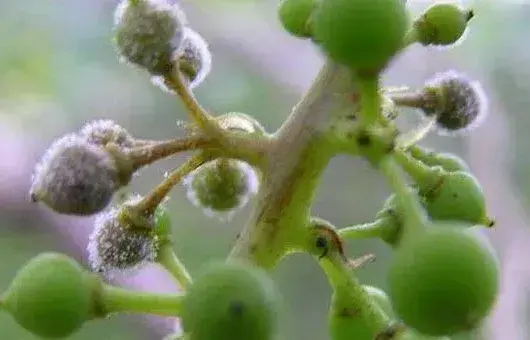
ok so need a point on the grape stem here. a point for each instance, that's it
(115, 299)
(373, 229)
(405, 141)
(170, 261)
(413, 213)
(199, 115)
(152, 200)
(158, 150)
(370, 100)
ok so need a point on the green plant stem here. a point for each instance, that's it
(367, 230)
(170, 261)
(116, 299)
(413, 214)
(352, 295)
(405, 141)
(424, 176)
(297, 157)
(370, 100)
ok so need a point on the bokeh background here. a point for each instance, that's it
(58, 69)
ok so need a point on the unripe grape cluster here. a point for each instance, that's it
(443, 275)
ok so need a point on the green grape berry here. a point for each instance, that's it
(295, 16)
(222, 186)
(442, 24)
(380, 298)
(50, 296)
(361, 34)
(443, 281)
(457, 197)
(230, 301)
(448, 161)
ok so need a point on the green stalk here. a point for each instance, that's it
(116, 299)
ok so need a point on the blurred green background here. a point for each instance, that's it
(58, 69)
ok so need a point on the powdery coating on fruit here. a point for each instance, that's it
(49, 296)
(75, 177)
(444, 281)
(103, 131)
(117, 245)
(237, 121)
(148, 33)
(222, 191)
(194, 58)
(463, 102)
(231, 301)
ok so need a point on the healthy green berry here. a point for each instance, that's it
(231, 301)
(345, 323)
(442, 24)
(50, 296)
(443, 281)
(104, 131)
(361, 34)
(458, 103)
(221, 187)
(380, 298)
(448, 161)
(75, 177)
(148, 33)
(121, 241)
(295, 16)
(457, 197)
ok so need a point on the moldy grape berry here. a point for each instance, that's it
(77, 178)
(231, 301)
(222, 186)
(444, 280)
(118, 243)
(104, 131)
(148, 33)
(459, 103)
(361, 34)
(194, 58)
(50, 296)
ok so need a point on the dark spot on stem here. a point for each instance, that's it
(363, 139)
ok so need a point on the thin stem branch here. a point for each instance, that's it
(415, 100)
(405, 141)
(151, 201)
(413, 214)
(119, 300)
(367, 230)
(169, 260)
(370, 100)
(199, 115)
(155, 151)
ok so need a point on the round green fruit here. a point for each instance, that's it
(50, 296)
(231, 301)
(442, 24)
(295, 16)
(448, 161)
(458, 197)
(443, 281)
(361, 34)
(380, 298)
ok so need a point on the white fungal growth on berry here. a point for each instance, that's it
(237, 121)
(460, 103)
(222, 187)
(194, 58)
(148, 33)
(75, 177)
(103, 131)
(117, 244)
